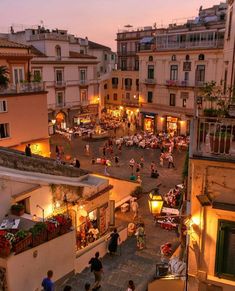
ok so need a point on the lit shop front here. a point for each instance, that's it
(149, 122)
(172, 124)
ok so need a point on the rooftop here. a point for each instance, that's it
(95, 45)
(4, 43)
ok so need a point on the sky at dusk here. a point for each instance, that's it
(99, 20)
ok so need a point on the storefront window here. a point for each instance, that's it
(172, 124)
(149, 123)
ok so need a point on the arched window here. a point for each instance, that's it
(58, 51)
(201, 57)
(173, 58)
(187, 58)
(150, 58)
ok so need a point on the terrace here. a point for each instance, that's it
(213, 138)
(21, 88)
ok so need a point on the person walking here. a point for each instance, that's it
(106, 170)
(114, 238)
(87, 149)
(116, 160)
(135, 208)
(87, 287)
(97, 269)
(162, 160)
(142, 162)
(28, 152)
(171, 161)
(140, 236)
(131, 286)
(131, 165)
(47, 283)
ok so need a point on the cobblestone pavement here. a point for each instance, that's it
(132, 264)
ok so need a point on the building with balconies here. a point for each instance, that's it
(69, 67)
(23, 104)
(120, 95)
(211, 196)
(173, 69)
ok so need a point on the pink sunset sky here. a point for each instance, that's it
(99, 20)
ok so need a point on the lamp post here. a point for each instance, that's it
(38, 206)
(155, 202)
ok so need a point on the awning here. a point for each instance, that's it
(167, 284)
(147, 39)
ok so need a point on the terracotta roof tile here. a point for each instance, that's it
(10, 44)
(36, 52)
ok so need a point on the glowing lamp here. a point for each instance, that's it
(155, 202)
(53, 121)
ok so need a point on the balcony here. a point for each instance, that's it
(178, 83)
(150, 81)
(147, 47)
(20, 88)
(60, 84)
(49, 36)
(131, 103)
(213, 138)
(83, 82)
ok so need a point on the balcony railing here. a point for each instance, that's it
(60, 84)
(150, 81)
(134, 103)
(83, 82)
(178, 83)
(23, 88)
(213, 138)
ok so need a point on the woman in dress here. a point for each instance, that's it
(113, 243)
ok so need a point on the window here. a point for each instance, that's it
(107, 97)
(172, 99)
(184, 96)
(3, 106)
(59, 77)
(105, 57)
(200, 74)
(82, 52)
(150, 97)
(184, 102)
(83, 96)
(187, 57)
(137, 84)
(115, 97)
(58, 52)
(201, 57)
(187, 66)
(150, 72)
(128, 96)
(186, 76)
(123, 48)
(105, 86)
(225, 250)
(37, 75)
(174, 73)
(4, 130)
(18, 75)
(173, 58)
(230, 23)
(128, 83)
(60, 98)
(123, 65)
(115, 83)
(136, 65)
(82, 74)
(112, 57)
(150, 58)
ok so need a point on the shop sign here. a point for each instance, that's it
(170, 210)
(149, 116)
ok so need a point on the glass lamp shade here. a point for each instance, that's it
(155, 203)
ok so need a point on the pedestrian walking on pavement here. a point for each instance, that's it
(131, 286)
(97, 269)
(28, 150)
(114, 239)
(142, 162)
(135, 208)
(116, 160)
(87, 287)
(47, 283)
(140, 236)
(171, 161)
(161, 160)
(87, 149)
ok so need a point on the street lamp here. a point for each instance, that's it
(38, 206)
(155, 202)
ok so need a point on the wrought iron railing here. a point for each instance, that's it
(213, 137)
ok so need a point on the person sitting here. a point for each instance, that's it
(154, 174)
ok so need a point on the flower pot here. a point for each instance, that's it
(53, 234)
(39, 238)
(17, 212)
(66, 227)
(23, 244)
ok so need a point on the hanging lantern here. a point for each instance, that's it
(155, 202)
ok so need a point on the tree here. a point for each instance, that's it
(4, 80)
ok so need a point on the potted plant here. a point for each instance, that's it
(53, 228)
(17, 209)
(64, 222)
(23, 240)
(39, 233)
